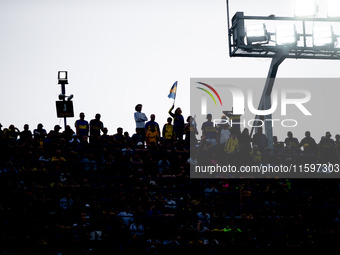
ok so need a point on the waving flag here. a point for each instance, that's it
(173, 91)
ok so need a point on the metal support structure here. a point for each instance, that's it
(303, 48)
(63, 92)
(265, 102)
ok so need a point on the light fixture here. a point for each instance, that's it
(305, 8)
(257, 33)
(62, 77)
(286, 34)
(323, 35)
(333, 8)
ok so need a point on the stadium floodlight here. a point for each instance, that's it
(333, 8)
(257, 33)
(323, 35)
(305, 8)
(286, 34)
(62, 77)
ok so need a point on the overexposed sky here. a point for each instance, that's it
(119, 53)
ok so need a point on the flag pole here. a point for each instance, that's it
(176, 91)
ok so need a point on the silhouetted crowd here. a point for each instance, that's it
(85, 191)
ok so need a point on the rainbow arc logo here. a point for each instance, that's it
(209, 93)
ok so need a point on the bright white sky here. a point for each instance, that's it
(122, 52)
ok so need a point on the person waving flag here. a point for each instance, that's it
(173, 91)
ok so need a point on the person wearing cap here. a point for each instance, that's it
(209, 131)
(54, 135)
(40, 131)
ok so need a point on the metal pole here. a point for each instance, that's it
(63, 92)
(265, 102)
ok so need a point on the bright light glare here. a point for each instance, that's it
(323, 35)
(305, 8)
(256, 33)
(62, 75)
(286, 34)
(256, 30)
(333, 8)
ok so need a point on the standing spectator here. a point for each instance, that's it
(95, 127)
(232, 145)
(223, 131)
(140, 119)
(209, 131)
(245, 143)
(178, 122)
(82, 126)
(260, 140)
(152, 122)
(168, 131)
(152, 136)
(190, 133)
(337, 145)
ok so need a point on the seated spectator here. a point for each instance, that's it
(12, 132)
(88, 162)
(291, 142)
(327, 149)
(137, 137)
(67, 133)
(164, 165)
(26, 135)
(136, 228)
(309, 145)
(255, 155)
(126, 216)
(119, 137)
(40, 131)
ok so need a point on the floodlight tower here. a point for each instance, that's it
(249, 37)
(64, 108)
